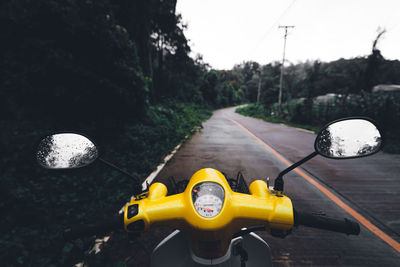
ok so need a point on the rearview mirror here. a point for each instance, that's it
(348, 138)
(66, 151)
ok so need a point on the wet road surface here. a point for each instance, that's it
(370, 186)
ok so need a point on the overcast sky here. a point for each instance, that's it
(228, 32)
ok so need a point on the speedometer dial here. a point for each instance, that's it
(208, 199)
(208, 205)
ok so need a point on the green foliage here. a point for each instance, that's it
(222, 88)
(304, 84)
(58, 54)
(253, 110)
(313, 78)
(383, 107)
(38, 204)
(209, 87)
(260, 112)
(248, 73)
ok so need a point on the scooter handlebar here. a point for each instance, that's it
(322, 222)
(77, 231)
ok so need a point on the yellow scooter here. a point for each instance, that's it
(214, 216)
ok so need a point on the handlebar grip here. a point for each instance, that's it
(103, 227)
(322, 222)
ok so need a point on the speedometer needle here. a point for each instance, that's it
(206, 209)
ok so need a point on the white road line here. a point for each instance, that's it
(154, 174)
(300, 129)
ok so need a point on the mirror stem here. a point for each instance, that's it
(278, 183)
(117, 169)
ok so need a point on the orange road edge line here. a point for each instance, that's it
(364, 221)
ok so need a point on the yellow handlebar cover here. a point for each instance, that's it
(261, 207)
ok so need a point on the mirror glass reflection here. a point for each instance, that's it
(349, 138)
(66, 151)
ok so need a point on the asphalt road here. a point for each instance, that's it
(370, 186)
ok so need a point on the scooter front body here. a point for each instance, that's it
(175, 251)
(209, 212)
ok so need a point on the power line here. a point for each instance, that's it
(273, 26)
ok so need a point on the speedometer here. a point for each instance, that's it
(208, 199)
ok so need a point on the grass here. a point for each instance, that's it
(257, 111)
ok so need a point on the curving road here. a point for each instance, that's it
(368, 186)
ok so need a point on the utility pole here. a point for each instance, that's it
(259, 87)
(283, 62)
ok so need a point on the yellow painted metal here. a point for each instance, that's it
(261, 207)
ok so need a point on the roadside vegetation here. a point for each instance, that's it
(258, 111)
(315, 93)
(38, 204)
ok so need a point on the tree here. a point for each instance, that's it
(209, 87)
(248, 76)
(374, 61)
(270, 74)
